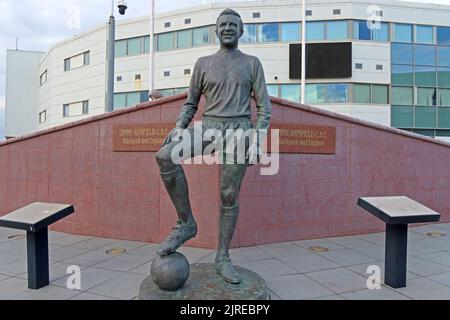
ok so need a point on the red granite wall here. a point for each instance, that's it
(120, 195)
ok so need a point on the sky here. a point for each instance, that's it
(38, 24)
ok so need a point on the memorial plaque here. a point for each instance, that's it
(141, 137)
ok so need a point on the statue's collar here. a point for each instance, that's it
(228, 51)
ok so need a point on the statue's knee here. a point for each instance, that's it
(229, 197)
(164, 160)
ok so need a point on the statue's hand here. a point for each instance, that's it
(174, 135)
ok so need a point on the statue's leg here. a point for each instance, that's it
(174, 179)
(230, 184)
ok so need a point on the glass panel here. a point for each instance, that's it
(402, 32)
(87, 58)
(201, 36)
(443, 56)
(337, 30)
(361, 30)
(315, 30)
(166, 92)
(65, 110)
(443, 35)
(290, 31)
(380, 31)
(179, 90)
(144, 96)
(426, 96)
(402, 95)
(184, 39)
(425, 76)
(268, 32)
(402, 116)
(85, 107)
(165, 41)
(401, 53)
(362, 93)
(133, 98)
(428, 133)
(249, 33)
(147, 44)
(134, 46)
(425, 55)
(425, 117)
(315, 93)
(442, 133)
(444, 77)
(402, 74)
(443, 97)
(337, 93)
(290, 92)
(272, 89)
(67, 64)
(119, 100)
(443, 117)
(380, 94)
(424, 34)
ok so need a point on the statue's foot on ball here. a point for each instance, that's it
(182, 232)
(227, 271)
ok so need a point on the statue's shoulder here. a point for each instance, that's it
(250, 58)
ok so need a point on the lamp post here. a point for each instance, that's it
(109, 103)
(152, 49)
(303, 84)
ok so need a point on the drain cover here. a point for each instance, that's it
(16, 237)
(318, 249)
(436, 234)
(116, 251)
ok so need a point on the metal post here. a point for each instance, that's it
(395, 255)
(111, 60)
(37, 259)
(152, 48)
(303, 84)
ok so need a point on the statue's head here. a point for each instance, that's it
(229, 28)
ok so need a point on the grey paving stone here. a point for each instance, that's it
(384, 293)
(273, 295)
(12, 287)
(267, 268)
(376, 238)
(15, 268)
(308, 263)
(318, 242)
(415, 236)
(432, 227)
(148, 249)
(90, 296)
(283, 249)
(123, 262)
(129, 246)
(63, 253)
(125, 286)
(249, 254)
(346, 257)
(339, 280)
(417, 249)
(435, 244)
(94, 243)
(443, 278)
(47, 293)
(143, 269)
(425, 289)
(297, 287)
(3, 277)
(90, 277)
(333, 297)
(361, 269)
(89, 258)
(443, 226)
(193, 254)
(69, 239)
(53, 235)
(17, 247)
(7, 258)
(210, 258)
(375, 251)
(351, 242)
(57, 271)
(442, 257)
(424, 267)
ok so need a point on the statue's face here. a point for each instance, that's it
(229, 30)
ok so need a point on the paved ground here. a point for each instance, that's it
(291, 270)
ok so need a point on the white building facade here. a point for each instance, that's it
(387, 62)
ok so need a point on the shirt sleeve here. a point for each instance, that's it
(190, 108)
(263, 105)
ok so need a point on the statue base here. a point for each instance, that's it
(205, 284)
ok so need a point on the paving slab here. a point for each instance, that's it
(125, 286)
(89, 296)
(384, 293)
(296, 287)
(90, 277)
(339, 280)
(12, 287)
(346, 257)
(268, 268)
(425, 289)
(123, 262)
(47, 293)
(283, 249)
(308, 263)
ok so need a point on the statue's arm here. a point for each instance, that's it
(263, 105)
(191, 106)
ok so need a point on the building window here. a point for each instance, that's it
(425, 75)
(290, 31)
(366, 30)
(43, 77)
(361, 93)
(187, 72)
(315, 30)
(119, 78)
(128, 99)
(134, 46)
(402, 96)
(443, 56)
(337, 30)
(426, 97)
(336, 12)
(443, 77)
(425, 117)
(380, 94)
(65, 110)
(443, 35)
(272, 90)
(401, 53)
(77, 61)
(166, 73)
(256, 15)
(43, 117)
(200, 36)
(76, 109)
(308, 13)
(268, 32)
(184, 39)
(327, 93)
(121, 48)
(187, 21)
(403, 32)
(290, 92)
(85, 107)
(167, 25)
(425, 55)
(166, 41)
(249, 33)
(444, 98)
(424, 34)
(379, 13)
(379, 67)
(137, 77)
(358, 65)
(402, 74)
(402, 116)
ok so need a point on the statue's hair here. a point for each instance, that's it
(229, 11)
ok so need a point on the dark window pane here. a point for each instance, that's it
(402, 74)
(67, 64)
(443, 35)
(443, 56)
(402, 95)
(428, 133)
(268, 32)
(402, 116)
(87, 58)
(380, 94)
(147, 44)
(401, 53)
(336, 30)
(65, 110)
(361, 93)
(426, 96)
(249, 33)
(425, 55)
(361, 30)
(444, 77)
(425, 76)
(85, 107)
(443, 117)
(201, 36)
(425, 117)
(402, 32)
(290, 31)
(424, 34)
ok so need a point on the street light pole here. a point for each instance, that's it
(152, 49)
(303, 84)
(109, 106)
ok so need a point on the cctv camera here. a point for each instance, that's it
(122, 7)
